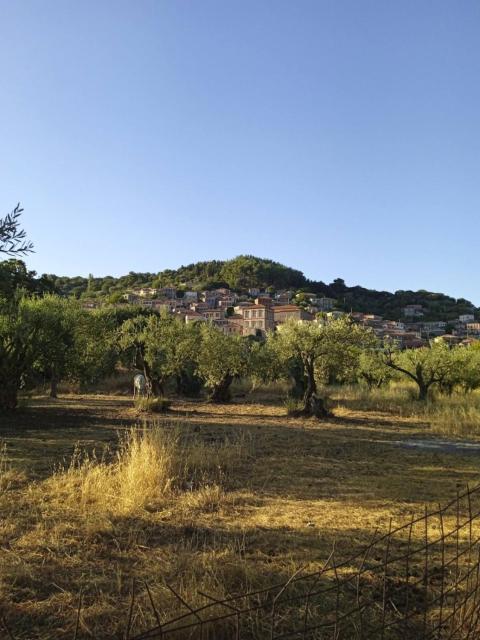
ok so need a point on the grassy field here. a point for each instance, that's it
(213, 498)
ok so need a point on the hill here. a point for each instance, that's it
(242, 273)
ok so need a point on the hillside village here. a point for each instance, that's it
(258, 311)
(247, 278)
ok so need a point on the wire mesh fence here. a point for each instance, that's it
(417, 581)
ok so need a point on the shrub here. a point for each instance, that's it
(152, 405)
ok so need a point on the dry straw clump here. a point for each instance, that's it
(151, 466)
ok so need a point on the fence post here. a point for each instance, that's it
(385, 565)
(425, 577)
(442, 586)
(407, 575)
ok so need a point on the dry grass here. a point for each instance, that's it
(9, 476)
(456, 415)
(213, 498)
(106, 509)
(151, 466)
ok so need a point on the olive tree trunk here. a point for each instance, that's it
(221, 391)
(313, 405)
(8, 394)
(54, 384)
(422, 390)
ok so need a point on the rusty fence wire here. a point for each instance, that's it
(417, 581)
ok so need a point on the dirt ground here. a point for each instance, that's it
(349, 455)
(303, 485)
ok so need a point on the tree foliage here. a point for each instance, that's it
(372, 369)
(427, 366)
(12, 237)
(171, 348)
(55, 339)
(20, 325)
(15, 276)
(95, 350)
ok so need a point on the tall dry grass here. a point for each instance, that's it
(151, 466)
(456, 415)
(99, 520)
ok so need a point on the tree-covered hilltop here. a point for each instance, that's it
(240, 274)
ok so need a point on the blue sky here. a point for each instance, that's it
(339, 137)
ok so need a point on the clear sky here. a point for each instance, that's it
(340, 137)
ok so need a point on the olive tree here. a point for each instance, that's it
(132, 340)
(372, 369)
(470, 367)
(170, 350)
(221, 359)
(95, 350)
(426, 366)
(265, 365)
(20, 325)
(317, 346)
(55, 339)
(464, 370)
(161, 347)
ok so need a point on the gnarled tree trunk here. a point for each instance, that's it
(317, 408)
(53, 384)
(221, 391)
(156, 387)
(422, 390)
(313, 405)
(8, 394)
(188, 384)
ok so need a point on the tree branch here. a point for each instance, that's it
(12, 237)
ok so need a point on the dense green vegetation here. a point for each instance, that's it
(14, 275)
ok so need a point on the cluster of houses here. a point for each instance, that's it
(410, 335)
(258, 311)
(254, 313)
(465, 327)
